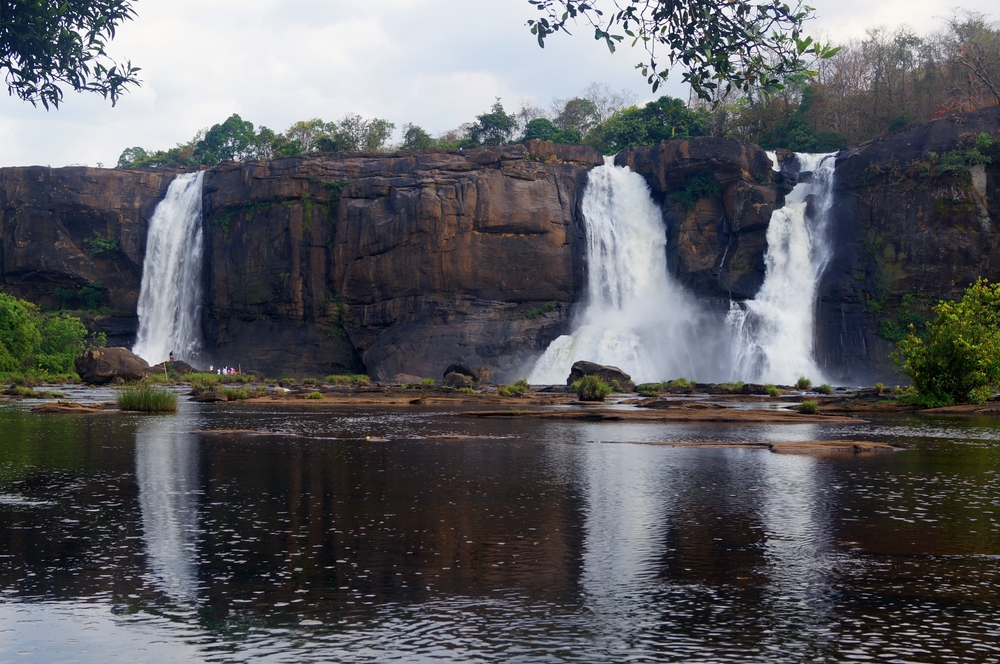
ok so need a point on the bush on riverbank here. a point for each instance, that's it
(958, 361)
(348, 379)
(146, 399)
(591, 388)
(809, 407)
(36, 344)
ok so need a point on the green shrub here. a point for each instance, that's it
(101, 245)
(591, 388)
(649, 389)
(535, 313)
(427, 382)
(825, 388)
(732, 388)
(146, 399)
(772, 391)
(681, 383)
(36, 343)
(235, 393)
(879, 388)
(809, 407)
(467, 390)
(314, 395)
(309, 381)
(803, 383)
(959, 361)
(515, 389)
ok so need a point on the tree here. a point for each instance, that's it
(232, 140)
(415, 138)
(661, 120)
(959, 361)
(719, 43)
(494, 128)
(579, 114)
(45, 44)
(545, 130)
(974, 44)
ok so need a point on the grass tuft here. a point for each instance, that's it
(772, 391)
(314, 395)
(803, 383)
(146, 399)
(591, 388)
(825, 388)
(348, 379)
(809, 407)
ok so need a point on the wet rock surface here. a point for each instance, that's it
(610, 375)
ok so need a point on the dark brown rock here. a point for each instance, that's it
(716, 246)
(100, 366)
(179, 367)
(457, 380)
(610, 375)
(463, 369)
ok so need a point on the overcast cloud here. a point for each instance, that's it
(436, 63)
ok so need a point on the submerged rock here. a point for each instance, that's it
(100, 366)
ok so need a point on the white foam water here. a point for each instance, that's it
(772, 334)
(637, 317)
(171, 292)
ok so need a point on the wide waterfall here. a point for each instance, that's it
(772, 334)
(637, 316)
(171, 293)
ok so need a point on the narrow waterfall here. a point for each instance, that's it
(772, 335)
(637, 317)
(171, 293)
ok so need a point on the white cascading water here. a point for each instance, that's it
(772, 335)
(637, 317)
(171, 292)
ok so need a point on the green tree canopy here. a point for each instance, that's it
(496, 127)
(721, 44)
(32, 342)
(959, 360)
(46, 44)
(546, 130)
(661, 120)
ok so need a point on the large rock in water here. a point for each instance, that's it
(610, 375)
(104, 365)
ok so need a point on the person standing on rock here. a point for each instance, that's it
(172, 356)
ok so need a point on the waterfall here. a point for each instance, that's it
(772, 335)
(171, 292)
(637, 316)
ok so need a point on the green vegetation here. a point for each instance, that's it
(309, 381)
(287, 381)
(803, 383)
(591, 388)
(958, 360)
(545, 308)
(241, 393)
(732, 388)
(808, 407)
(314, 395)
(907, 320)
(348, 379)
(37, 344)
(427, 382)
(45, 45)
(825, 388)
(89, 298)
(99, 245)
(772, 391)
(467, 390)
(515, 389)
(879, 388)
(702, 185)
(721, 45)
(146, 399)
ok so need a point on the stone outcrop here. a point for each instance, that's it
(100, 366)
(394, 263)
(717, 196)
(905, 234)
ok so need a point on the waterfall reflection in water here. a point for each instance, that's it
(523, 542)
(166, 471)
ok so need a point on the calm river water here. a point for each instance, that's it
(136, 538)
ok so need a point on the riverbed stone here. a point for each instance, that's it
(100, 366)
(610, 375)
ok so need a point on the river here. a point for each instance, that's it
(138, 538)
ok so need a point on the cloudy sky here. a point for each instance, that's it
(436, 63)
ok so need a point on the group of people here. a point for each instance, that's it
(222, 371)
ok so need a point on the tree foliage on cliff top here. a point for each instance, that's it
(958, 361)
(48, 44)
(722, 45)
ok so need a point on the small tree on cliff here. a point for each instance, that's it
(494, 128)
(722, 44)
(959, 361)
(46, 44)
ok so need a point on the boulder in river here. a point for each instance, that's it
(611, 375)
(479, 375)
(99, 366)
(457, 380)
(179, 367)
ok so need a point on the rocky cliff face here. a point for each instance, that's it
(400, 263)
(914, 223)
(73, 234)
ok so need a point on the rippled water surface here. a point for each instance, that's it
(142, 538)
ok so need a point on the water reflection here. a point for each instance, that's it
(166, 470)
